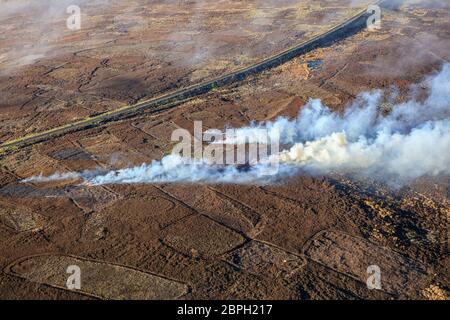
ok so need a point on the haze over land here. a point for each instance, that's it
(363, 180)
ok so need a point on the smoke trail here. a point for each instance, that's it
(402, 141)
(425, 150)
(364, 117)
(85, 175)
(176, 169)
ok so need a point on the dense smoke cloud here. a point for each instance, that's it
(397, 143)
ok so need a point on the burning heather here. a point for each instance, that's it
(409, 140)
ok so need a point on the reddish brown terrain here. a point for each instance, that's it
(308, 237)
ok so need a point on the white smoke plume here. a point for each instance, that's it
(397, 143)
(63, 176)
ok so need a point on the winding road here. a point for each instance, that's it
(352, 25)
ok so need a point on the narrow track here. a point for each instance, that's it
(344, 29)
